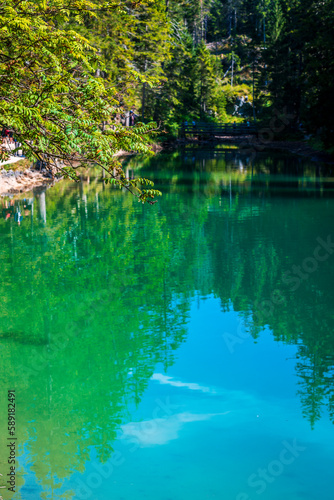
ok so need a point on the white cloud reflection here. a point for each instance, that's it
(160, 431)
(164, 379)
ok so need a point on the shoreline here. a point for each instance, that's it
(21, 178)
(14, 182)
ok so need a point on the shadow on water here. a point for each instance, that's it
(97, 289)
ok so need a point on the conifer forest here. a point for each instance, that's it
(166, 249)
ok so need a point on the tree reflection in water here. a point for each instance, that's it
(96, 290)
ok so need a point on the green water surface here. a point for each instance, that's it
(180, 351)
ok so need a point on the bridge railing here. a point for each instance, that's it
(214, 129)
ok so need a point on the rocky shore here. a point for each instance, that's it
(19, 181)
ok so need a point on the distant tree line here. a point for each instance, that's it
(73, 71)
(196, 59)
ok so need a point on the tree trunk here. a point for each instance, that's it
(143, 102)
(144, 87)
(232, 69)
(254, 115)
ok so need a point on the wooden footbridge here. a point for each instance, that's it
(216, 130)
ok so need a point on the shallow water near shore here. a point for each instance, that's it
(180, 351)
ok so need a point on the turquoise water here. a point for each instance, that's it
(180, 351)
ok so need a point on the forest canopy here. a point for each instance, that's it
(53, 97)
(73, 73)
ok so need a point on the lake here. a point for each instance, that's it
(180, 351)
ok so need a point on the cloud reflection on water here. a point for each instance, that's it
(164, 379)
(159, 431)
